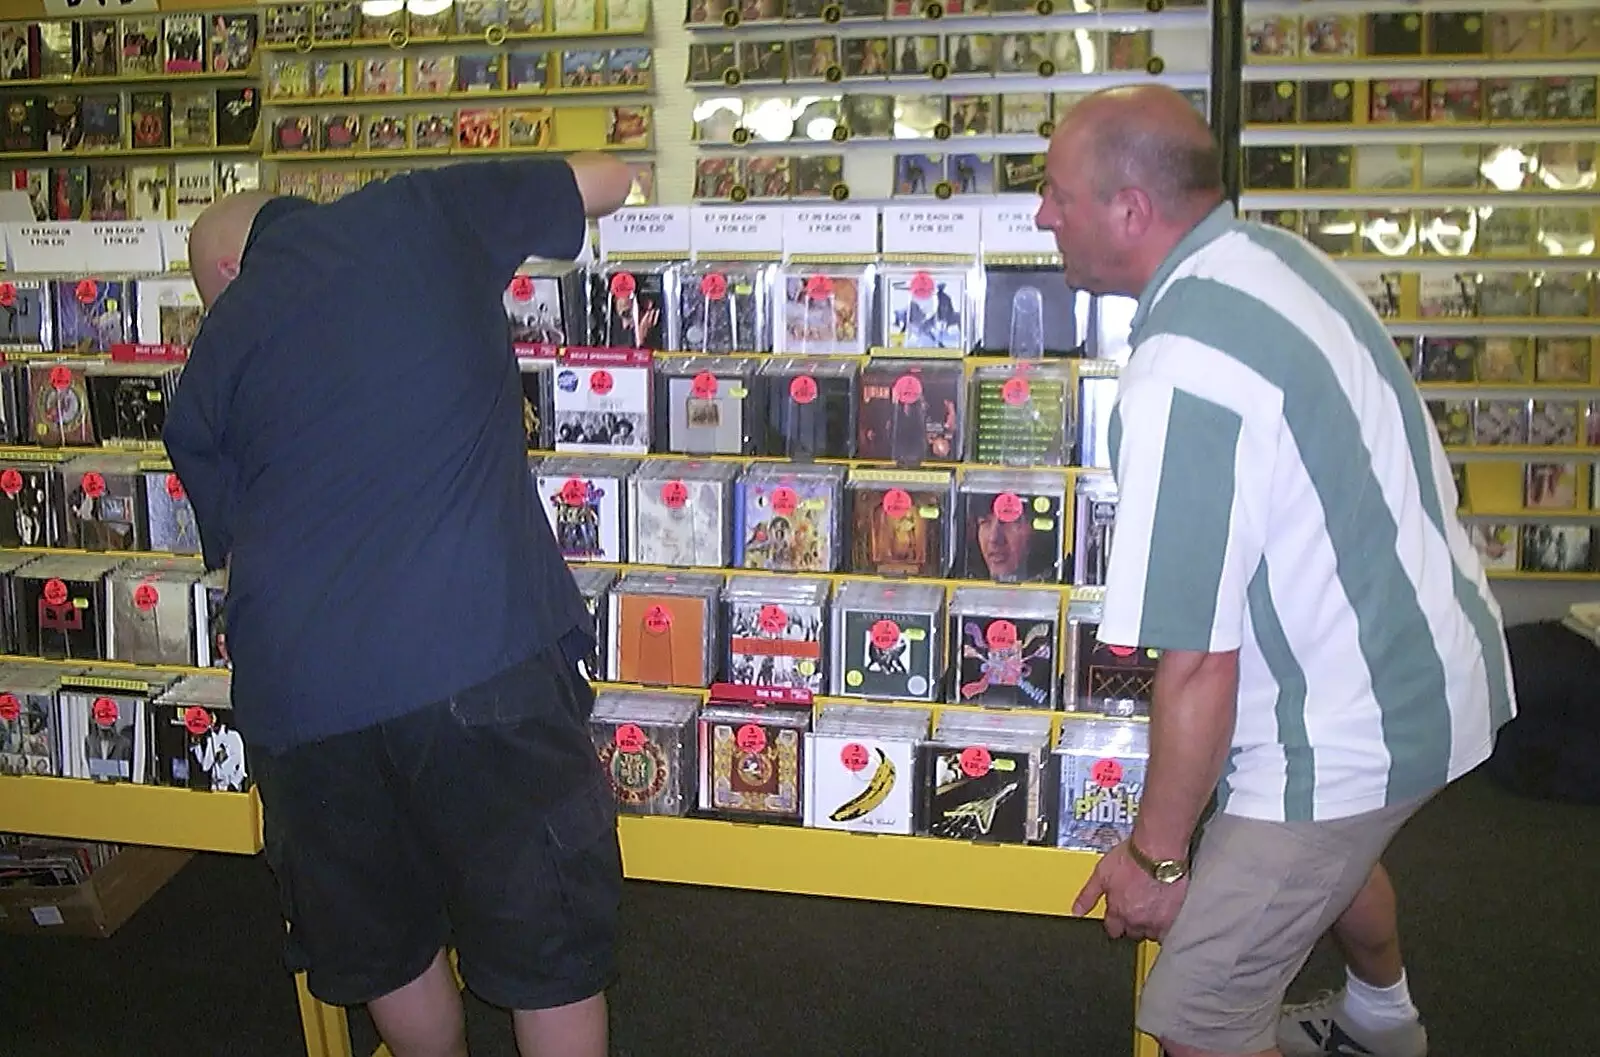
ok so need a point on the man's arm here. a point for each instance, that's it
(1191, 728)
(196, 420)
(527, 207)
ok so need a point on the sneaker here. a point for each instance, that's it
(1320, 1028)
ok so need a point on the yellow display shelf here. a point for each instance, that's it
(131, 814)
(121, 153)
(398, 99)
(888, 869)
(134, 80)
(493, 40)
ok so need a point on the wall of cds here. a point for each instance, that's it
(378, 88)
(868, 100)
(93, 110)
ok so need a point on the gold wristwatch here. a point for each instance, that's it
(1166, 871)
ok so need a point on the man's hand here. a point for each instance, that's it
(1137, 905)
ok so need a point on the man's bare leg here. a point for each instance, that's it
(423, 1018)
(576, 1030)
(1368, 933)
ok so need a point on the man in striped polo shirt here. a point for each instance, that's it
(1286, 536)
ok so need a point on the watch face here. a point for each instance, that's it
(1169, 872)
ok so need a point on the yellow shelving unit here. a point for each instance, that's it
(159, 816)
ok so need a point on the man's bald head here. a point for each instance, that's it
(1147, 137)
(217, 240)
(1130, 171)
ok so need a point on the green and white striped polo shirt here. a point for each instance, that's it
(1283, 493)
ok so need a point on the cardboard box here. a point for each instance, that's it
(100, 905)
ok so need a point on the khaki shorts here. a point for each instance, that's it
(1261, 895)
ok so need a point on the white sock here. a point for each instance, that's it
(1378, 1008)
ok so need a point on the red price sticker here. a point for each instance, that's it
(1016, 391)
(975, 761)
(657, 619)
(885, 634)
(1002, 635)
(61, 378)
(1123, 651)
(703, 386)
(819, 288)
(10, 707)
(522, 288)
(105, 712)
(1106, 772)
(601, 383)
(785, 501)
(921, 285)
(803, 390)
(674, 494)
(623, 285)
(897, 502)
(87, 291)
(11, 482)
(714, 286)
(55, 592)
(197, 720)
(146, 597)
(1007, 507)
(772, 619)
(175, 490)
(575, 492)
(630, 738)
(94, 484)
(8, 294)
(750, 738)
(907, 389)
(855, 757)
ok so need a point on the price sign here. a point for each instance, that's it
(1011, 229)
(831, 230)
(1016, 391)
(885, 634)
(601, 382)
(196, 720)
(657, 620)
(907, 389)
(575, 492)
(94, 484)
(56, 247)
(1001, 635)
(175, 243)
(737, 229)
(105, 712)
(630, 738)
(674, 494)
(785, 501)
(522, 288)
(897, 502)
(175, 490)
(714, 287)
(125, 246)
(653, 230)
(1007, 507)
(1106, 772)
(703, 386)
(772, 619)
(930, 229)
(55, 592)
(750, 738)
(975, 761)
(803, 390)
(10, 707)
(146, 597)
(854, 757)
(11, 482)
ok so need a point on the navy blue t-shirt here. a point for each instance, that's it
(349, 429)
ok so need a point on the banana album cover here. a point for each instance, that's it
(861, 783)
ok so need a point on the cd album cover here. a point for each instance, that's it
(891, 655)
(31, 507)
(810, 409)
(925, 309)
(1010, 537)
(1029, 312)
(585, 514)
(1114, 680)
(963, 801)
(899, 524)
(910, 411)
(533, 307)
(602, 406)
(787, 523)
(1004, 662)
(823, 312)
(628, 309)
(772, 644)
